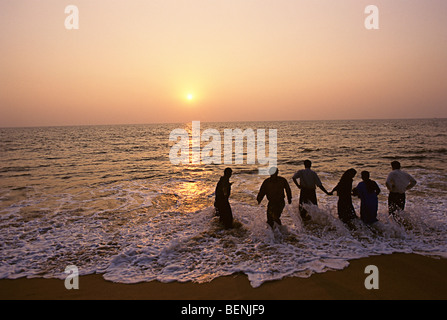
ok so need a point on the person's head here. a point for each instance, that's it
(348, 175)
(307, 163)
(365, 175)
(228, 172)
(395, 165)
(351, 173)
(273, 171)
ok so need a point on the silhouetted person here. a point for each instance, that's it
(273, 187)
(398, 182)
(309, 180)
(345, 208)
(367, 191)
(221, 203)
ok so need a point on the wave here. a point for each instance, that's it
(130, 246)
(408, 157)
(15, 169)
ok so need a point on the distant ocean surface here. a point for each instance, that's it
(108, 200)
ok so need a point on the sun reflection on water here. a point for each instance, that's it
(194, 195)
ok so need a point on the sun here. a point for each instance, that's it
(189, 96)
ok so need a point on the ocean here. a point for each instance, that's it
(108, 200)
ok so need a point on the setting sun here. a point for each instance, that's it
(189, 96)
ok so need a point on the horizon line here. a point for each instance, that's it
(232, 121)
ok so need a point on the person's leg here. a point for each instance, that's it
(274, 210)
(306, 196)
(313, 197)
(396, 202)
(278, 211)
(270, 220)
(226, 215)
(368, 212)
(402, 200)
(392, 206)
(269, 214)
(346, 211)
(303, 212)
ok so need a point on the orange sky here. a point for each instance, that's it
(136, 61)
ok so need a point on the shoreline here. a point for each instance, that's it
(400, 277)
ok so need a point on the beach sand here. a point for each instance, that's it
(401, 276)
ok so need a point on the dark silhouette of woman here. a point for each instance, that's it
(221, 203)
(345, 208)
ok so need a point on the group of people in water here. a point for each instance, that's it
(276, 189)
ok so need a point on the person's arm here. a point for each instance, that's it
(319, 184)
(294, 178)
(296, 182)
(377, 188)
(333, 190)
(217, 188)
(261, 193)
(412, 182)
(355, 192)
(227, 189)
(324, 190)
(288, 191)
(389, 182)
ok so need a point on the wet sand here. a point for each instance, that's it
(401, 276)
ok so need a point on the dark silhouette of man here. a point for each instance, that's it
(398, 182)
(367, 191)
(221, 202)
(309, 180)
(273, 187)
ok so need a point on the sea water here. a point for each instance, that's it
(108, 200)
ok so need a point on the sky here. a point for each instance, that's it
(170, 61)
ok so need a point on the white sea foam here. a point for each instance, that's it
(128, 246)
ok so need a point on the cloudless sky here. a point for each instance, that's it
(136, 61)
